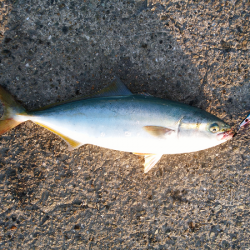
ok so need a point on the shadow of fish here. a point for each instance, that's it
(117, 119)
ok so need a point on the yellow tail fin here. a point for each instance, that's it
(11, 108)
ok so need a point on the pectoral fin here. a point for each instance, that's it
(150, 160)
(72, 144)
(158, 131)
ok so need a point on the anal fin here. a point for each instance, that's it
(72, 144)
(150, 160)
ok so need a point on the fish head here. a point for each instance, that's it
(204, 131)
(220, 130)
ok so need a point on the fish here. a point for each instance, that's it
(115, 118)
(245, 122)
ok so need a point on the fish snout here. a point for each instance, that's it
(227, 135)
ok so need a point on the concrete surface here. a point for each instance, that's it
(196, 52)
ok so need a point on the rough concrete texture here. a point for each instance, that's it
(196, 52)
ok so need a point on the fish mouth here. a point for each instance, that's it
(227, 135)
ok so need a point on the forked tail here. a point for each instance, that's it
(11, 108)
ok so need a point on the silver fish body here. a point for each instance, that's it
(118, 122)
(144, 125)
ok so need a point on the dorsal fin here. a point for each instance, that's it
(115, 88)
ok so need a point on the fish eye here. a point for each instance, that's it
(214, 128)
